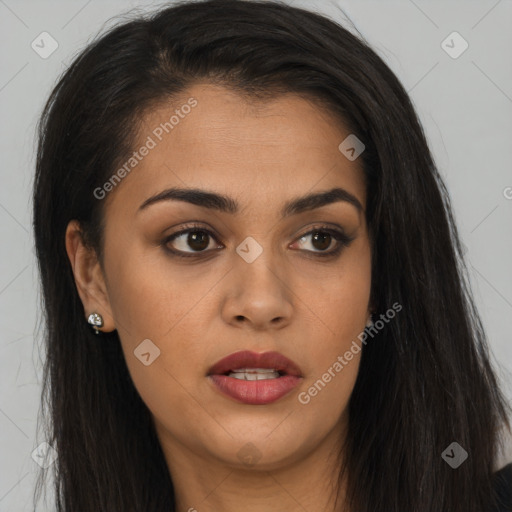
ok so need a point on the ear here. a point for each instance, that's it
(89, 278)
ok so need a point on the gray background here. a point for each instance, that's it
(464, 103)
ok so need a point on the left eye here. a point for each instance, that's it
(322, 239)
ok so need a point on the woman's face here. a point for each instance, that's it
(259, 282)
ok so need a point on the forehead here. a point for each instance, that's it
(213, 138)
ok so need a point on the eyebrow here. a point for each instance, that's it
(222, 203)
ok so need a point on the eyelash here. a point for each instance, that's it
(340, 237)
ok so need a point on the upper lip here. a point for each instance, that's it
(248, 359)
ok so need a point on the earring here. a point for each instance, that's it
(96, 320)
(369, 322)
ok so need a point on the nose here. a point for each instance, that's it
(258, 295)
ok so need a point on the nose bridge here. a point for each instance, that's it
(259, 264)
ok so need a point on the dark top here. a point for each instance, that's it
(503, 486)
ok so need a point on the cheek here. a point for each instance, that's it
(338, 295)
(149, 296)
(326, 394)
(152, 300)
(341, 306)
(146, 308)
(334, 357)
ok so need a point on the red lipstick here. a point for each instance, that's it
(255, 379)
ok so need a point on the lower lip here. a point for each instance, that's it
(255, 392)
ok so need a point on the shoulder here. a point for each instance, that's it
(502, 481)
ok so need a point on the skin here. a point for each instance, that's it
(197, 311)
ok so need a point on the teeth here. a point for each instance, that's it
(254, 374)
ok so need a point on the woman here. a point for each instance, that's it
(254, 289)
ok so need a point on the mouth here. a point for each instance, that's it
(254, 374)
(255, 366)
(255, 379)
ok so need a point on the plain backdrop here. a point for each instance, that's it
(464, 102)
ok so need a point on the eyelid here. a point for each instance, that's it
(343, 240)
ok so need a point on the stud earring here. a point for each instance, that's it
(369, 322)
(96, 320)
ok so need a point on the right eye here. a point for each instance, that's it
(196, 238)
